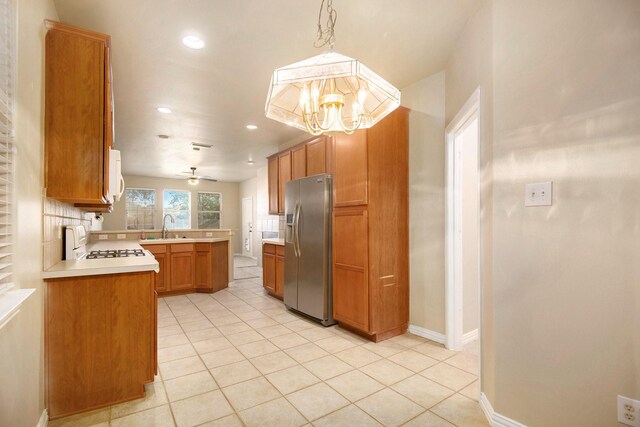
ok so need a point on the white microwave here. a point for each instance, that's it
(116, 182)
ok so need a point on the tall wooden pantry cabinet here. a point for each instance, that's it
(371, 228)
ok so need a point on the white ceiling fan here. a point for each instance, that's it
(193, 179)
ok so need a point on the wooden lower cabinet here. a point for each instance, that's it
(273, 269)
(100, 340)
(191, 267)
(183, 266)
(212, 268)
(160, 252)
(350, 262)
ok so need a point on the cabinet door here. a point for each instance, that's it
(273, 185)
(220, 265)
(108, 122)
(160, 252)
(203, 269)
(350, 169)
(316, 156)
(163, 279)
(182, 270)
(299, 162)
(280, 276)
(350, 261)
(75, 114)
(269, 272)
(284, 176)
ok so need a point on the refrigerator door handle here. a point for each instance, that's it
(296, 222)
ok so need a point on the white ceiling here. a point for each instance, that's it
(216, 91)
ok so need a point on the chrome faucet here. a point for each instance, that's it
(164, 224)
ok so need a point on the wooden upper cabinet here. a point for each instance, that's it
(350, 169)
(299, 162)
(78, 114)
(317, 155)
(284, 176)
(273, 184)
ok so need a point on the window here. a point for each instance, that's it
(209, 206)
(178, 204)
(140, 206)
(7, 133)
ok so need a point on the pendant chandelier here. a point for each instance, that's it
(329, 93)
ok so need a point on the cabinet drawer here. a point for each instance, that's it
(156, 249)
(279, 250)
(268, 248)
(181, 247)
(203, 247)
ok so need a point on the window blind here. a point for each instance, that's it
(7, 133)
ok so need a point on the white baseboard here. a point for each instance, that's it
(469, 336)
(495, 419)
(428, 334)
(44, 419)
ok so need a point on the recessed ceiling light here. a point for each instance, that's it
(250, 162)
(164, 110)
(163, 136)
(193, 42)
(252, 127)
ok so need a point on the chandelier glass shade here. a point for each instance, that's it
(329, 94)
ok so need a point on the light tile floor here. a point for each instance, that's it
(238, 357)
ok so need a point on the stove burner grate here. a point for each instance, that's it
(115, 253)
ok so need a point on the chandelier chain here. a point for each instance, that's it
(326, 35)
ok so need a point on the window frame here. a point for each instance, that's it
(126, 210)
(190, 209)
(198, 211)
(8, 196)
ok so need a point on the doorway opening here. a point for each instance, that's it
(247, 227)
(463, 237)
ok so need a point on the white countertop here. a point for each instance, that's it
(279, 242)
(181, 240)
(94, 267)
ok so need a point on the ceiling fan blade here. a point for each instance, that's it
(208, 179)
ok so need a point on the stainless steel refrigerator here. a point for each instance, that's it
(307, 248)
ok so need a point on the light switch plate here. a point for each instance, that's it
(538, 194)
(103, 237)
(209, 234)
(121, 236)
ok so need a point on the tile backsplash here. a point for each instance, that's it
(273, 223)
(55, 217)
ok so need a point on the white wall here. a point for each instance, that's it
(264, 221)
(229, 216)
(21, 341)
(561, 297)
(471, 66)
(426, 201)
(567, 277)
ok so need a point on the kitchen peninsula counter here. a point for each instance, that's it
(94, 267)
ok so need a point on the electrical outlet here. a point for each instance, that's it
(103, 237)
(121, 236)
(538, 194)
(628, 411)
(208, 234)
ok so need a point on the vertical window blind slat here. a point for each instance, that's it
(7, 133)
